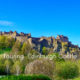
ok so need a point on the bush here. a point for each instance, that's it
(33, 77)
(56, 57)
(67, 70)
(41, 66)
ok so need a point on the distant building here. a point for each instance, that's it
(62, 38)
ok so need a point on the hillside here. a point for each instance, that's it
(22, 54)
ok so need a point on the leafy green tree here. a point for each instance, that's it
(17, 68)
(26, 48)
(45, 51)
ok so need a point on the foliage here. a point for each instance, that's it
(10, 42)
(6, 42)
(16, 47)
(44, 51)
(56, 57)
(34, 52)
(17, 68)
(7, 65)
(67, 70)
(2, 68)
(26, 48)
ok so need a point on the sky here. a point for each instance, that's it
(42, 17)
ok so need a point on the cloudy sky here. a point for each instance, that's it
(42, 17)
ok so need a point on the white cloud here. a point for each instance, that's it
(6, 23)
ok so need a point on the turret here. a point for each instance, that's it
(22, 34)
(10, 32)
(15, 33)
(62, 38)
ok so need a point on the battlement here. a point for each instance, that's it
(15, 34)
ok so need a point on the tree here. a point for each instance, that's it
(26, 48)
(2, 42)
(44, 51)
(7, 65)
(16, 47)
(6, 43)
(9, 42)
(40, 66)
(17, 68)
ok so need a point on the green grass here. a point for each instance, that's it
(77, 78)
(29, 77)
(7, 50)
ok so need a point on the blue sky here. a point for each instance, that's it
(42, 17)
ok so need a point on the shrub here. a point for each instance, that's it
(56, 57)
(30, 77)
(41, 66)
(67, 70)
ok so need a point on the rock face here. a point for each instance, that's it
(38, 43)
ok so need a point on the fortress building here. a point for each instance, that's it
(39, 43)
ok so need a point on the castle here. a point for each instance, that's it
(14, 34)
(38, 43)
(22, 35)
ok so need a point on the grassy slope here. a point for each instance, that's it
(7, 50)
